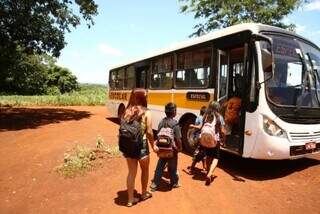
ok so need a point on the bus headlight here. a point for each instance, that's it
(272, 128)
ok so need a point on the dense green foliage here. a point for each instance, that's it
(220, 14)
(39, 25)
(36, 75)
(30, 33)
(87, 94)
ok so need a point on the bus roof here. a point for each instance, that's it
(253, 27)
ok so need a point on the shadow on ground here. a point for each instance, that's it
(113, 119)
(31, 118)
(122, 197)
(258, 170)
(242, 169)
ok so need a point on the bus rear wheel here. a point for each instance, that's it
(187, 135)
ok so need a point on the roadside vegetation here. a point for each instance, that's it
(86, 94)
(82, 159)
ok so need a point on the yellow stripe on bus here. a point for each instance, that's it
(161, 99)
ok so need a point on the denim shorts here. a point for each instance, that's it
(144, 151)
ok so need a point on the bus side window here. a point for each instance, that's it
(193, 68)
(161, 77)
(119, 82)
(130, 78)
(112, 79)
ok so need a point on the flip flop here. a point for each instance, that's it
(134, 202)
(146, 196)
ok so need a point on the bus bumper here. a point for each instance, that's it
(276, 148)
(112, 108)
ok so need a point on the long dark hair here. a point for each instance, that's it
(212, 111)
(137, 104)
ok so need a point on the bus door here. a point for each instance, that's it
(231, 71)
(222, 76)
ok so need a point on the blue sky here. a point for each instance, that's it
(126, 29)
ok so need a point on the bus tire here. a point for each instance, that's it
(121, 110)
(188, 145)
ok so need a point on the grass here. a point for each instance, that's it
(89, 94)
(81, 159)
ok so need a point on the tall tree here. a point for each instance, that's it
(31, 30)
(223, 13)
(38, 26)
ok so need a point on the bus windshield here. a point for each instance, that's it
(296, 81)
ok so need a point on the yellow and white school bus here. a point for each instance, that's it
(274, 71)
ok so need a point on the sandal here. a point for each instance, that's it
(146, 196)
(134, 202)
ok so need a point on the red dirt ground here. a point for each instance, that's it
(33, 141)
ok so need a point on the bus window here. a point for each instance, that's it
(141, 78)
(116, 80)
(119, 81)
(237, 68)
(130, 83)
(223, 75)
(193, 68)
(112, 79)
(161, 77)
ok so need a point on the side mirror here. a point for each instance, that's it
(266, 52)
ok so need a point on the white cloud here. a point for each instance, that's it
(314, 5)
(106, 49)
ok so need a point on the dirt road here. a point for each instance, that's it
(33, 141)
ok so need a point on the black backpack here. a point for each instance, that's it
(130, 138)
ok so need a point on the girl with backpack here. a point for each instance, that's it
(136, 151)
(211, 136)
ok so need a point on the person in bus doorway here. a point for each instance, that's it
(211, 135)
(137, 110)
(198, 154)
(167, 146)
(232, 113)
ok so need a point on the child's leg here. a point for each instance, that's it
(173, 167)
(158, 172)
(213, 166)
(208, 161)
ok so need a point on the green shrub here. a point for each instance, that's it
(87, 94)
(81, 159)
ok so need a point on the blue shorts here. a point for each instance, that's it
(144, 151)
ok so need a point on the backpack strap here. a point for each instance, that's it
(218, 125)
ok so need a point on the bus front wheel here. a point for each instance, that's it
(187, 135)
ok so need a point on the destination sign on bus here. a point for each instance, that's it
(117, 96)
(198, 96)
(285, 48)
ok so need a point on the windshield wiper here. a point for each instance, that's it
(315, 77)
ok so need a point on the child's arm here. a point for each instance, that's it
(149, 131)
(195, 126)
(179, 144)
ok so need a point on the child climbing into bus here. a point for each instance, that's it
(198, 154)
(211, 135)
(167, 146)
(232, 113)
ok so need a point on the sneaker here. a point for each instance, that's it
(190, 170)
(209, 180)
(153, 187)
(177, 185)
